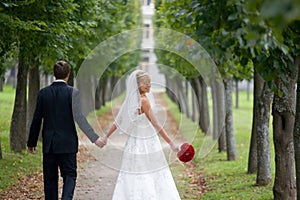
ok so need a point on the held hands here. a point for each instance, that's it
(101, 141)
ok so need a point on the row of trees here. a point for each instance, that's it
(244, 37)
(36, 33)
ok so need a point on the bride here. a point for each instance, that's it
(144, 173)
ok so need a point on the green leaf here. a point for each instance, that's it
(233, 16)
(280, 93)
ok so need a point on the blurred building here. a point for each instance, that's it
(148, 61)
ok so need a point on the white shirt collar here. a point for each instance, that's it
(59, 80)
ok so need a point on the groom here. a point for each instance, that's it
(57, 107)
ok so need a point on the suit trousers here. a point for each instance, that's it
(67, 163)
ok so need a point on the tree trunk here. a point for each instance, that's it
(168, 92)
(200, 90)
(118, 85)
(1, 84)
(252, 160)
(170, 88)
(297, 131)
(215, 107)
(180, 94)
(204, 121)
(264, 173)
(230, 137)
(97, 96)
(283, 124)
(18, 122)
(13, 75)
(87, 88)
(248, 90)
(113, 88)
(221, 116)
(173, 86)
(46, 79)
(103, 91)
(218, 96)
(33, 89)
(71, 78)
(187, 101)
(195, 107)
(237, 93)
(195, 111)
(195, 100)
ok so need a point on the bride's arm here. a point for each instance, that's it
(111, 130)
(151, 117)
(106, 136)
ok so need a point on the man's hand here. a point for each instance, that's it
(31, 150)
(101, 141)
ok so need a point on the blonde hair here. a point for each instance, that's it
(140, 76)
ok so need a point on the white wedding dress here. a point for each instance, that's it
(144, 173)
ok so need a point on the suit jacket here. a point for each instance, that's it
(57, 107)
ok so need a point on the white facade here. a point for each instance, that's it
(149, 59)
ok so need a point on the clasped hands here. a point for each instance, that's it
(101, 141)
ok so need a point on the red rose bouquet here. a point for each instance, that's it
(186, 152)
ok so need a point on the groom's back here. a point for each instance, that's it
(58, 127)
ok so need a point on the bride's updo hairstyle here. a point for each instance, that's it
(142, 77)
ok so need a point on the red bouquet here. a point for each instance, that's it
(186, 152)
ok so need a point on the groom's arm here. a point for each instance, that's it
(35, 125)
(81, 119)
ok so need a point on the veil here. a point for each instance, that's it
(128, 113)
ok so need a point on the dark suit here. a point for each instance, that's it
(57, 106)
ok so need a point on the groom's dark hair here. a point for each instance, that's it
(61, 69)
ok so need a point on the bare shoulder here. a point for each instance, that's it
(145, 101)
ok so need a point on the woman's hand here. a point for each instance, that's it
(174, 147)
